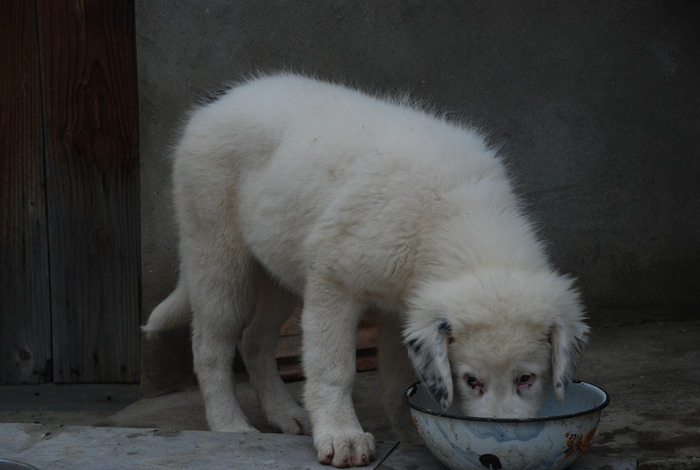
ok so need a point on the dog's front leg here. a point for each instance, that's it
(329, 324)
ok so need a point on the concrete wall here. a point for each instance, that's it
(595, 104)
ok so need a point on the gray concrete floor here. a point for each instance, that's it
(650, 368)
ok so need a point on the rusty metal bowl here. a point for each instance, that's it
(553, 440)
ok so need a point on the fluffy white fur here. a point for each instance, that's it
(289, 187)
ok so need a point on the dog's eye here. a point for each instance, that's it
(472, 382)
(525, 379)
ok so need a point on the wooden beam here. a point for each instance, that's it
(92, 184)
(25, 319)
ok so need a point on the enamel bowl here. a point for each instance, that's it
(553, 440)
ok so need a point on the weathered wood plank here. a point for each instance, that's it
(25, 321)
(91, 131)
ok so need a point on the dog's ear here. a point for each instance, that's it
(568, 337)
(427, 349)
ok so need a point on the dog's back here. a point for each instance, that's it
(307, 170)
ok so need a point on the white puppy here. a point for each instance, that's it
(286, 186)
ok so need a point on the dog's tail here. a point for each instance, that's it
(170, 313)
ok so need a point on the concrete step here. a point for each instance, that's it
(50, 446)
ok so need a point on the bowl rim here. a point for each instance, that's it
(414, 388)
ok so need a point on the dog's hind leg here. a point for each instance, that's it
(218, 279)
(273, 305)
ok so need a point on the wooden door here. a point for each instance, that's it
(69, 226)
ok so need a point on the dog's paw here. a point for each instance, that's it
(345, 450)
(293, 420)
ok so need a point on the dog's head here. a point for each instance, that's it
(496, 341)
